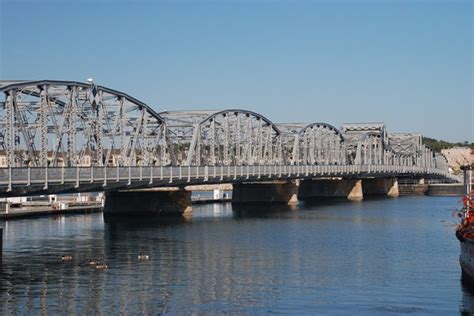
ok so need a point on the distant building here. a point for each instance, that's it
(458, 156)
(3, 159)
(85, 160)
(55, 159)
(115, 158)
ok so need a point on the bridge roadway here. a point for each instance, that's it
(30, 181)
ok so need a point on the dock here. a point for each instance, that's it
(44, 208)
(14, 213)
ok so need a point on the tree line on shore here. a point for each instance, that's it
(437, 145)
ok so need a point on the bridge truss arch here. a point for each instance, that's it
(68, 123)
(401, 149)
(369, 149)
(372, 149)
(229, 137)
(319, 144)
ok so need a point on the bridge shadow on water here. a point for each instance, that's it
(314, 202)
(282, 210)
(261, 210)
(145, 221)
(219, 212)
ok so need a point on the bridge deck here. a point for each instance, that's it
(23, 181)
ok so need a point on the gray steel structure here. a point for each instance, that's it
(59, 131)
(43, 122)
(313, 144)
(225, 137)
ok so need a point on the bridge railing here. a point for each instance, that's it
(105, 178)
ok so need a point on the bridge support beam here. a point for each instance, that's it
(381, 186)
(175, 202)
(281, 192)
(327, 189)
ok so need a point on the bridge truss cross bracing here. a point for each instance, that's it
(74, 125)
(52, 123)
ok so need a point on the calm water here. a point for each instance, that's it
(385, 256)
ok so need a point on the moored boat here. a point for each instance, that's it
(465, 231)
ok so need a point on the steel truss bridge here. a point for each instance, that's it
(67, 136)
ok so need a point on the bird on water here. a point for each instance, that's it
(66, 258)
(143, 257)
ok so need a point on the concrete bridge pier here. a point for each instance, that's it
(381, 186)
(274, 192)
(170, 202)
(329, 188)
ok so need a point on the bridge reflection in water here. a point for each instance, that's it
(324, 258)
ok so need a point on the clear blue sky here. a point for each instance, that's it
(407, 63)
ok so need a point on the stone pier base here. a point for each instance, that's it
(381, 186)
(281, 192)
(447, 189)
(413, 189)
(327, 189)
(147, 203)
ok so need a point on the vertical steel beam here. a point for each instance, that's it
(226, 139)
(305, 148)
(10, 134)
(267, 147)
(295, 152)
(123, 142)
(213, 142)
(198, 146)
(193, 145)
(249, 141)
(132, 158)
(238, 141)
(71, 137)
(43, 112)
(259, 141)
(100, 130)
